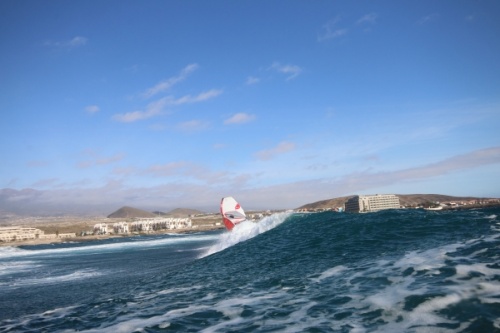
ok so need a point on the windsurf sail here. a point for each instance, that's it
(231, 212)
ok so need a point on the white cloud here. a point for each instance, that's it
(49, 183)
(92, 109)
(78, 41)
(95, 160)
(190, 171)
(133, 116)
(170, 82)
(153, 109)
(37, 163)
(157, 107)
(429, 18)
(188, 99)
(281, 148)
(168, 169)
(291, 71)
(189, 192)
(331, 31)
(193, 125)
(368, 18)
(239, 118)
(219, 145)
(72, 43)
(470, 18)
(252, 80)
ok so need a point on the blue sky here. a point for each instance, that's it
(165, 104)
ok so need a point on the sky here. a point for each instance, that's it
(166, 104)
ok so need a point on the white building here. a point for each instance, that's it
(16, 234)
(120, 228)
(371, 203)
(143, 225)
(101, 229)
(10, 234)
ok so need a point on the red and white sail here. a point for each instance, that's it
(232, 213)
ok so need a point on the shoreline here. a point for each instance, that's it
(94, 238)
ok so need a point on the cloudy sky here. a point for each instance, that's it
(165, 104)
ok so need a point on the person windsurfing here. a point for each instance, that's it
(232, 212)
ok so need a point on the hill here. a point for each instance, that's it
(183, 212)
(179, 212)
(404, 199)
(329, 203)
(417, 199)
(129, 212)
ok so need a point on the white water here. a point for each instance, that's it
(244, 231)
(11, 252)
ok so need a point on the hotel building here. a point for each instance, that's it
(371, 203)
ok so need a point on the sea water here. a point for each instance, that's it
(390, 271)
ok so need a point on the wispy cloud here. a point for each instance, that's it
(95, 160)
(164, 85)
(219, 145)
(349, 184)
(92, 109)
(189, 170)
(251, 80)
(331, 30)
(470, 18)
(153, 109)
(429, 18)
(469, 160)
(292, 71)
(158, 107)
(71, 43)
(168, 169)
(368, 19)
(361, 181)
(281, 148)
(49, 182)
(188, 99)
(239, 118)
(37, 163)
(204, 195)
(193, 125)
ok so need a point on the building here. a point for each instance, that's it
(143, 225)
(371, 203)
(16, 234)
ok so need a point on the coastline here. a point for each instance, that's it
(51, 225)
(93, 238)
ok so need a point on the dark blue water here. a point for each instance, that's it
(391, 271)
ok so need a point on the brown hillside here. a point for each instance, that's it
(417, 199)
(183, 212)
(404, 199)
(129, 212)
(330, 203)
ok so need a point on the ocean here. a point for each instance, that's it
(390, 271)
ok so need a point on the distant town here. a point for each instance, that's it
(131, 221)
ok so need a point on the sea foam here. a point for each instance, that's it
(244, 231)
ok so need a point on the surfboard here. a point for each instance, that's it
(232, 212)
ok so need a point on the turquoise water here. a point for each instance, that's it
(391, 271)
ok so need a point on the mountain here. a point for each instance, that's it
(330, 203)
(129, 212)
(179, 212)
(417, 199)
(183, 212)
(404, 200)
